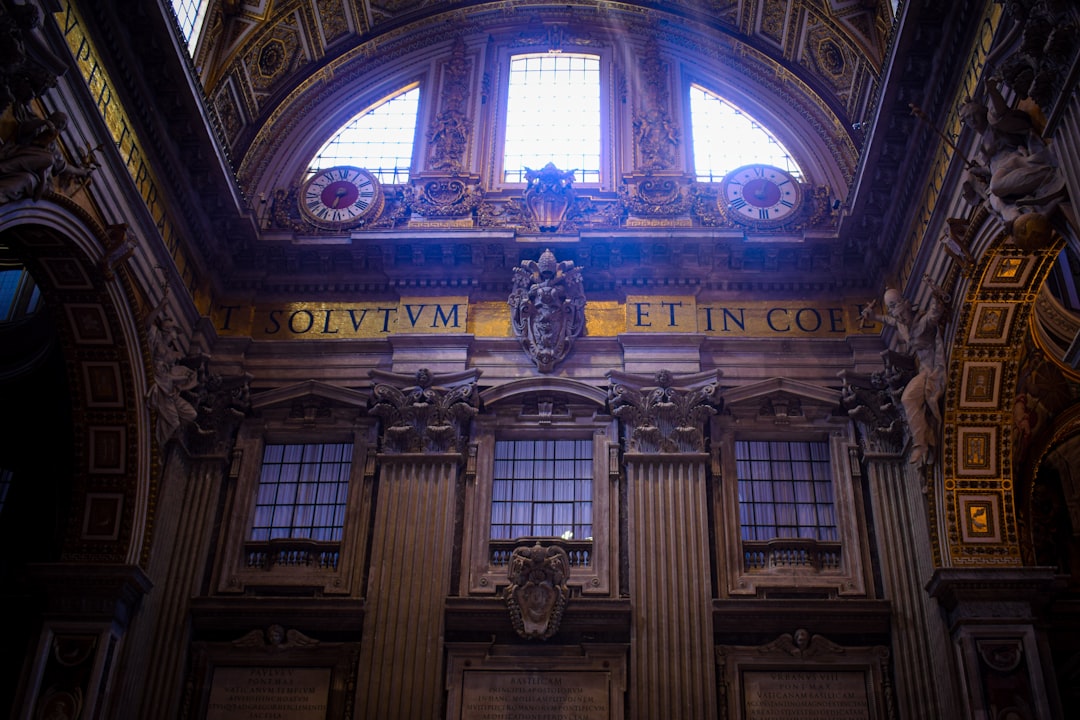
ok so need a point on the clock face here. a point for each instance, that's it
(760, 195)
(340, 197)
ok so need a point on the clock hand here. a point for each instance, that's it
(337, 197)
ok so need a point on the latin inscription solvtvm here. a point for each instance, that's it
(808, 695)
(490, 695)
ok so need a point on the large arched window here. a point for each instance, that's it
(725, 138)
(553, 115)
(380, 139)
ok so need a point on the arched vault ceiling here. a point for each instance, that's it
(259, 53)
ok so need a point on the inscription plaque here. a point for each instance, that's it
(269, 693)
(806, 694)
(542, 695)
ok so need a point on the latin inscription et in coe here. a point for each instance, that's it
(269, 693)
(541, 695)
(808, 695)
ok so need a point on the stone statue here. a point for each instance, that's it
(30, 160)
(1014, 170)
(921, 339)
(175, 373)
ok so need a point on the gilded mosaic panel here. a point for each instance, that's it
(991, 324)
(980, 517)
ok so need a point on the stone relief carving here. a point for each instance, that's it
(172, 393)
(537, 593)
(1045, 51)
(430, 416)
(656, 197)
(444, 198)
(547, 308)
(656, 135)
(922, 344)
(801, 644)
(449, 132)
(32, 158)
(871, 400)
(664, 418)
(275, 637)
(955, 244)
(549, 196)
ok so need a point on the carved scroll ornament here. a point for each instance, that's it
(664, 418)
(547, 309)
(432, 415)
(538, 592)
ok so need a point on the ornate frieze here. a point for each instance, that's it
(667, 417)
(430, 416)
(537, 593)
(547, 309)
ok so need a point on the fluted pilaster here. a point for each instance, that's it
(191, 493)
(925, 681)
(401, 663)
(671, 664)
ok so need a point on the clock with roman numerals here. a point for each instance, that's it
(761, 196)
(340, 197)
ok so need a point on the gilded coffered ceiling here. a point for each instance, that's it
(262, 52)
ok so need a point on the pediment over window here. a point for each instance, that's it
(525, 393)
(311, 403)
(781, 401)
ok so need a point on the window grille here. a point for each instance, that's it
(785, 490)
(302, 492)
(553, 115)
(190, 14)
(542, 488)
(726, 138)
(380, 139)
